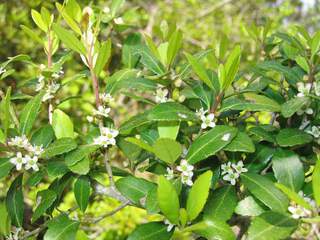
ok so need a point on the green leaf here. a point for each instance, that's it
(289, 137)
(29, 114)
(35, 178)
(198, 195)
(168, 150)
(151, 231)
(36, 17)
(103, 56)
(82, 192)
(231, 67)
(78, 154)
(316, 182)
(47, 198)
(200, 70)
(288, 169)
(248, 207)
(210, 143)
(82, 167)
(212, 229)
(168, 200)
(175, 43)
(293, 196)
(264, 190)
(140, 143)
(171, 111)
(69, 39)
(62, 125)
(60, 146)
(56, 169)
(262, 134)
(32, 34)
(250, 102)
(293, 105)
(74, 10)
(131, 43)
(61, 228)
(221, 204)
(135, 122)
(152, 206)
(115, 6)
(241, 143)
(72, 24)
(134, 188)
(5, 222)
(14, 202)
(168, 129)
(315, 43)
(118, 77)
(271, 226)
(149, 60)
(43, 136)
(5, 167)
(5, 112)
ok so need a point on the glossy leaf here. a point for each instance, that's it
(62, 125)
(46, 198)
(151, 231)
(82, 192)
(103, 56)
(248, 207)
(61, 228)
(289, 137)
(14, 202)
(167, 150)
(60, 146)
(171, 111)
(316, 182)
(241, 143)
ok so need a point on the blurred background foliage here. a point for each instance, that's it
(203, 22)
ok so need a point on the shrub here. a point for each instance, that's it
(218, 150)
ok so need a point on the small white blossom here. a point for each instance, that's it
(298, 212)
(106, 98)
(303, 88)
(31, 162)
(18, 141)
(107, 137)
(239, 167)
(35, 150)
(90, 119)
(201, 112)
(315, 131)
(226, 137)
(161, 95)
(106, 9)
(102, 111)
(51, 90)
(18, 161)
(231, 177)
(118, 20)
(186, 180)
(170, 225)
(169, 174)
(226, 168)
(41, 83)
(185, 167)
(207, 121)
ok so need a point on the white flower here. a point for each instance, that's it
(87, 10)
(19, 160)
(170, 225)
(207, 121)
(36, 150)
(201, 112)
(226, 137)
(316, 87)
(107, 137)
(231, 177)
(185, 179)
(106, 9)
(307, 199)
(2, 70)
(51, 90)
(31, 162)
(169, 174)
(18, 141)
(185, 167)
(298, 212)
(106, 98)
(118, 20)
(239, 167)
(303, 88)
(315, 131)
(40, 84)
(161, 95)
(102, 111)
(226, 168)
(90, 119)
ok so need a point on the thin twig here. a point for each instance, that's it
(108, 214)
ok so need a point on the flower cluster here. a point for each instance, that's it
(206, 118)
(50, 90)
(186, 172)
(231, 171)
(107, 137)
(161, 95)
(304, 89)
(30, 159)
(298, 211)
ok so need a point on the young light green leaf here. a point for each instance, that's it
(175, 43)
(82, 167)
(69, 39)
(29, 114)
(200, 70)
(198, 195)
(168, 129)
(47, 198)
(14, 202)
(231, 67)
(221, 204)
(168, 150)
(5, 222)
(37, 18)
(5, 112)
(210, 143)
(168, 200)
(264, 189)
(316, 182)
(151, 231)
(61, 228)
(60, 146)
(288, 169)
(62, 125)
(82, 192)
(74, 10)
(72, 24)
(103, 56)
